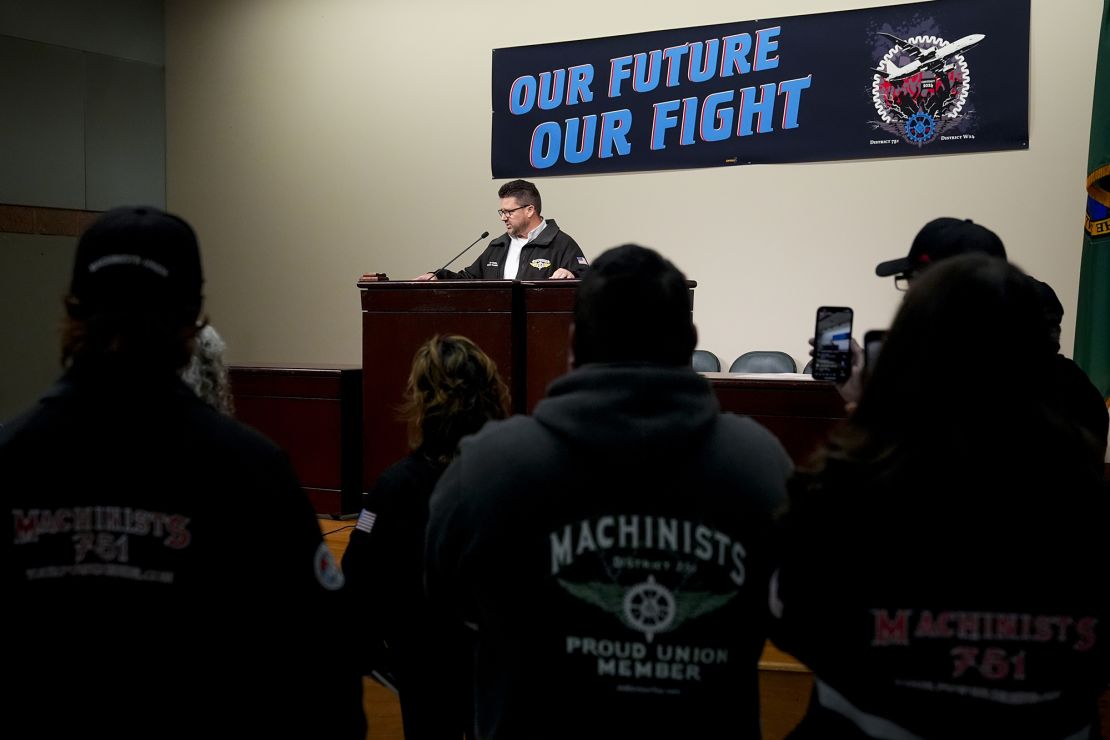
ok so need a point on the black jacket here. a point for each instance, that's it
(398, 633)
(1079, 401)
(613, 553)
(949, 598)
(163, 570)
(551, 249)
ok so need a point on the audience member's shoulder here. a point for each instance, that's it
(412, 465)
(747, 429)
(1083, 402)
(755, 444)
(503, 442)
(226, 431)
(414, 472)
(36, 420)
(501, 432)
(15, 426)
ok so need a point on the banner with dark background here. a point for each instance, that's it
(941, 77)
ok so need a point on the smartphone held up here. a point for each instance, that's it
(832, 344)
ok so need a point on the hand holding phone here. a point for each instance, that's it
(832, 344)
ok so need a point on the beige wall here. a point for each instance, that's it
(309, 142)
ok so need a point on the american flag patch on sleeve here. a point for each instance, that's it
(582, 261)
(366, 521)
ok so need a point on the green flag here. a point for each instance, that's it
(1092, 325)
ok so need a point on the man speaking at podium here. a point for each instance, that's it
(532, 247)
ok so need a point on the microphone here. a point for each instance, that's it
(460, 254)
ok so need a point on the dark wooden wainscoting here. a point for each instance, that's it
(315, 414)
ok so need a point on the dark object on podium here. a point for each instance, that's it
(315, 414)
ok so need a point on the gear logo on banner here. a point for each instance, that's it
(921, 85)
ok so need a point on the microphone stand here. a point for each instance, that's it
(460, 254)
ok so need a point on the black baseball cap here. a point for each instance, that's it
(942, 238)
(137, 259)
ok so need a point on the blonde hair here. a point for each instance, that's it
(454, 388)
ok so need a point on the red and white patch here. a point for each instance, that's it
(327, 570)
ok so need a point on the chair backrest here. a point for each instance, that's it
(705, 361)
(808, 369)
(764, 361)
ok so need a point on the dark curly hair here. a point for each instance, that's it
(453, 389)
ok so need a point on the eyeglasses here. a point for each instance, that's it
(902, 282)
(503, 212)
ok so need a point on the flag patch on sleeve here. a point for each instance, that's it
(366, 521)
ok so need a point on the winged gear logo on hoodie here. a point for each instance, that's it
(648, 607)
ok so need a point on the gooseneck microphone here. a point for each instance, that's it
(460, 254)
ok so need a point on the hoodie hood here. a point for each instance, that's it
(629, 406)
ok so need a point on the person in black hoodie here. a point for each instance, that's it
(453, 389)
(612, 551)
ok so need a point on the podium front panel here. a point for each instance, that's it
(548, 308)
(397, 317)
(800, 412)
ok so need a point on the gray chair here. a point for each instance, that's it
(705, 361)
(764, 361)
(808, 369)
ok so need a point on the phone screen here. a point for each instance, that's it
(832, 344)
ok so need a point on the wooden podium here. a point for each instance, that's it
(522, 326)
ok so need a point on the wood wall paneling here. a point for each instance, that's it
(315, 415)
